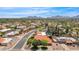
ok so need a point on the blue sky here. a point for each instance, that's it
(38, 11)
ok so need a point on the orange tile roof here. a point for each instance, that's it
(1, 40)
(43, 37)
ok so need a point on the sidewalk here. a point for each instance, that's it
(65, 47)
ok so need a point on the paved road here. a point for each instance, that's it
(20, 44)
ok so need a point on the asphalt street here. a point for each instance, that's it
(20, 44)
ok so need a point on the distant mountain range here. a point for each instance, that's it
(58, 16)
(53, 17)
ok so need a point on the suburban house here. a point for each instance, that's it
(4, 41)
(5, 30)
(68, 40)
(12, 33)
(42, 36)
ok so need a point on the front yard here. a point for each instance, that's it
(37, 44)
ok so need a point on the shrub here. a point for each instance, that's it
(44, 48)
(34, 48)
(35, 44)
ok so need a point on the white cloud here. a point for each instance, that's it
(25, 13)
(56, 11)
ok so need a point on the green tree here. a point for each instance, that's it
(44, 42)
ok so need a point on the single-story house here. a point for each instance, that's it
(5, 30)
(4, 41)
(41, 36)
(66, 39)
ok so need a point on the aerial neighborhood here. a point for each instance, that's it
(39, 28)
(39, 35)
